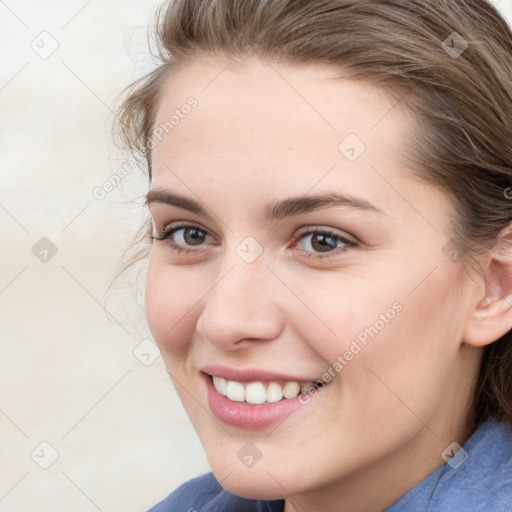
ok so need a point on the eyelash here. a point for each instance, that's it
(167, 234)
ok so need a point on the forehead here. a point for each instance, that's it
(280, 122)
(271, 98)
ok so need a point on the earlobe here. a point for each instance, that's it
(491, 317)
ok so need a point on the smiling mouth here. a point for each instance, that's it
(261, 392)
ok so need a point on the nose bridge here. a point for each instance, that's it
(240, 305)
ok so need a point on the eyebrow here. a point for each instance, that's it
(274, 210)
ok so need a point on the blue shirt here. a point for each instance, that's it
(482, 482)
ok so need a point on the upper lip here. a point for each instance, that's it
(250, 374)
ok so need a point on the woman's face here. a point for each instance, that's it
(302, 249)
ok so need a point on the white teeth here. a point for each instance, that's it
(291, 389)
(235, 391)
(255, 392)
(220, 385)
(274, 393)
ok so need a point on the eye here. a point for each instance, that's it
(321, 243)
(314, 243)
(181, 238)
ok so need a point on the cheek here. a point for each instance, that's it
(393, 323)
(405, 363)
(342, 312)
(170, 297)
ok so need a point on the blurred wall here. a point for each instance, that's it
(78, 370)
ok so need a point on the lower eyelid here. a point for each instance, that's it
(330, 254)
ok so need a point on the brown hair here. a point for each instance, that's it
(446, 61)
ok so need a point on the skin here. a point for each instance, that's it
(264, 133)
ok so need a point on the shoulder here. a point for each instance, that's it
(205, 494)
(488, 467)
(477, 479)
(191, 494)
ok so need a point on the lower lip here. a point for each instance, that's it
(242, 415)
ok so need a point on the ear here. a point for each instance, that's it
(491, 317)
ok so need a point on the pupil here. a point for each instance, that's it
(326, 243)
(195, 236)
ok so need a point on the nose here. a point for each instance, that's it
(242, 306)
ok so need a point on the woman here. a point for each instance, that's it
(330, 273)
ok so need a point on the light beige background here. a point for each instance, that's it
(78, 370)
(68, 373)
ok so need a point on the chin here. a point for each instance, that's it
(254, 484)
